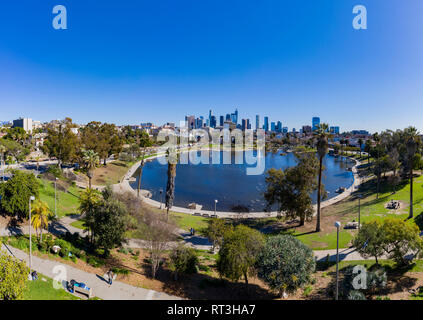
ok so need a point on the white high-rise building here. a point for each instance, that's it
(25, 123)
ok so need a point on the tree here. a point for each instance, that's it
(291, 189)
(16, 191)
(360, 143)
(144, 143)
(88, 201)
(322, 135)
(61, 142)
(216, 230)
(183, 260)
(109, 226)
(3, 150)
(172, 160)
(238, 253)
(367, 148)
(412, 144)
(158, 232)
(285, 264)
(401, 238)
(91, 160)
(40, 213)
(13, 277)
(369, 241)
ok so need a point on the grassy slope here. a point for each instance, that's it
(67, 202)
(371, 209)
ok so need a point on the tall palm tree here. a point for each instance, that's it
(360, 143)
(40, 213)
(413, 142)
(91, 160)
(172, 160)
(3, 150)
(322, 135)
(144, 142)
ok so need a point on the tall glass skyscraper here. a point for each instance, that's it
(266, 124)
(257, 122)
(315, 123)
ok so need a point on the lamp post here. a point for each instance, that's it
(31, 198)
(337, 225)
(55, 188)
(359, 213)
(215, 203)
(161, 197)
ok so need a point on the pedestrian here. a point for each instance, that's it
(34, 275)
(110, 274)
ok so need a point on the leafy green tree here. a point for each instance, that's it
(238, 253)
(369, 241)
(183, 260)
(401, 238)
(13, 277)
(61, 142)
(110, 224)
(413, 143)
(285, 264)
(216, 230)
(88, 201)
(16, 192)
(291, 189)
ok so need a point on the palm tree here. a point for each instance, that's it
(172, 160)
(91, 160)
(360, 143)
(144, 143)
(412, 144)
(40, 213)
(322, 135)
(3, 150)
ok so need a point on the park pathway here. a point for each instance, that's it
(100, 288)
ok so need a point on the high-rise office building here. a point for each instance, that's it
(266, 124)
(228, 117)
(272, 127)
(25, 123)
(279, 126)
(190, 122)
(315, 123)
(257, 122)
(213, 122)
(221, 120)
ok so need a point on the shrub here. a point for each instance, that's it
(183, 260)
(285, 264)
(356, 295)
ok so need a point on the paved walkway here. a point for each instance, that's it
(100, 288)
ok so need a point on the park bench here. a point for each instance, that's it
(81, 288)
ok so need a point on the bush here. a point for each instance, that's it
(356, 295)
(285, 264)
(183, 260)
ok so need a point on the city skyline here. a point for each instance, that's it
(130, 63)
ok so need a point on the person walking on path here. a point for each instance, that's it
(110, 275)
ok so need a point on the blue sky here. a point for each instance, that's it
(133, 61)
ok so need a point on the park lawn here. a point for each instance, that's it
(187, 221)
(67, 202)
(371, 209)
(43, 290)
(78, 224)
(111, 173)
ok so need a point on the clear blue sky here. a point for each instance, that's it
(133, 61)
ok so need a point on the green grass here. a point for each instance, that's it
(371, 209)
(67, 202)
(44, 290)
(78, 224)
(187, 221)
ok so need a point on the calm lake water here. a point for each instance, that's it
(229, 183)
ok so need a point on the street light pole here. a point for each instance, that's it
(31, 198)
(337, 225)
(55, 187)
(215, 203)
(161, 197)
(359, 213)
